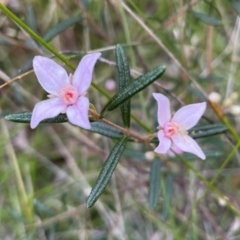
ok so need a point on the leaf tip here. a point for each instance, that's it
(118, 46)
(89, 202)
(88, 205)
(8, 117)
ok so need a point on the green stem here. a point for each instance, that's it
(145, 127)
(102, 91)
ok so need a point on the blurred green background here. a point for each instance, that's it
(46, 174)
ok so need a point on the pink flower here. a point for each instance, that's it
(67, 93)
(173, 129)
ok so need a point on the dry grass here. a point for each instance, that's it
(46, 174)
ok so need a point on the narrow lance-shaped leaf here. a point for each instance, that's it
(50, 34)
(60, 27)
(208, 127)
(134, 87)
(167, 196)
(154, 184)
(207, 130)
(96, 127)
(31, 19)
(42, 208)
(236, 5)
(105, 130)
(208, 154)
(123, 81)
(107, 171)
(207, 19)
(141, 156)
(25, 117)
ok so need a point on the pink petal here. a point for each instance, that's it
(189, 115)
(83, 75)
(187, 144)
(174, 149)
(164, 143)
(164, 112)
(78, 113)
(50, 75)
(46, 109)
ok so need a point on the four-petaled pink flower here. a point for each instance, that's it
(67, 93)
(173, 129)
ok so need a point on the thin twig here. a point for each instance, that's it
(126, 131)
(233, 66)
(58, 218)
(13, 79)
(178, 14)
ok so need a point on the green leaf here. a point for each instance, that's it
(210, 78)
(96, 127)
(236, 5)
(105, 130)
(60, 27)
(154, 187)
(107, 171)
(25, 117)
(135, 155)
(133, 88)
(207, 19)
(141, 156)
(195, 92)
(207, 130)
(42, 209)
(31, 20)
(208, 154)
(167, 197)
(123, 81)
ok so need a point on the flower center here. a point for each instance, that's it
(68, 94)
(171, 129)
